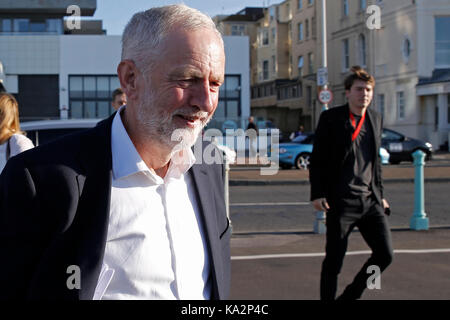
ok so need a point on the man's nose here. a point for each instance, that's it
(203, 97)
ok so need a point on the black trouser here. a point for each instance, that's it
(371, 221)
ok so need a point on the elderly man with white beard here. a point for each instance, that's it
(125, 210)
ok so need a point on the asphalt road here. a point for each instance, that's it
(276, 256)
(287, 208)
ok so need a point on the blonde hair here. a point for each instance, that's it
(9, 117)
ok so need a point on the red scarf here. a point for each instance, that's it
(357, 128)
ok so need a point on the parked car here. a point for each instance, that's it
(295, 153)
(298, 152)
(44, 131)
(401, 148)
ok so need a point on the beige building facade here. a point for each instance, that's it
(409, 55)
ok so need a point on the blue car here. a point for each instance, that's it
(295, 153)
(298, 152)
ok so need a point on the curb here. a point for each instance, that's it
(242, 182)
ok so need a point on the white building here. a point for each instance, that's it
(56, 75)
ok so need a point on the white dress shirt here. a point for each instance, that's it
(156, 248)
(17, 143)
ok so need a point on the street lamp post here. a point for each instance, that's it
(319, 223)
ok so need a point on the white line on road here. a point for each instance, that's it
(322, 254)
(258, 204)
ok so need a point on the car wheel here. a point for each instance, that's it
(302, 161)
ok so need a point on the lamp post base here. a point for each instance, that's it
(419, 223)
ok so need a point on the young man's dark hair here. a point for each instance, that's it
(358, 73)
(117, 92)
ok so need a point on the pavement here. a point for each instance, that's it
(286, 265)
(438, 170)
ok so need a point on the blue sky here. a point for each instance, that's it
(116, 13)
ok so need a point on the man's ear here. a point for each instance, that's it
(128, 73)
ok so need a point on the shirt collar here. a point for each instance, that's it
(127, 161)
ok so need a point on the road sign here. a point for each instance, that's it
(325, 96)
(322, 76)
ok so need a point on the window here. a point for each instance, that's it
(442, 42)
(272, 13)
(345, 8)
(448, 108)
(362, 49)
(401, 105)
(390, 135)
(38, 26)
(55, 26)
(306, 28)
(345, 55)
(237, 30)
(300, 31)
(299, 4)
(313, 26)
(300, 65)
(90, 96)
(363, 5)
(6, 25)
(265, 37)
(274, 34)
(406, 49)
(274, 65)
(21, 25)
(265, 69)
(380, 104)
(310, 63)
(310, 2)
(230, 98)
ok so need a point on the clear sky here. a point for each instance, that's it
(116, 13)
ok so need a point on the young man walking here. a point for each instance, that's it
(346, 182)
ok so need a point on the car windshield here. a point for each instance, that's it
(304, 139)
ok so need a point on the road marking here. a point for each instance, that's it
(258, 204)
(322, 254)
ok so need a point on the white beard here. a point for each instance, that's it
(159, 125)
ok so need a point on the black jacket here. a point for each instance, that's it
(54, 211)
(332, 145)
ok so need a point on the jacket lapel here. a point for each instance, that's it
(93, 210)
(205, 198)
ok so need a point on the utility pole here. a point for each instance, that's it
(325, 97)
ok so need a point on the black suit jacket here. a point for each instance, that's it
(54, 211)
(332, 145)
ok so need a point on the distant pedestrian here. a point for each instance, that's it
(297, 133)
(119, 98)
(12, 139)
(252, 132)
(346, 182)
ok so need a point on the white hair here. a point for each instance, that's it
(147, 29)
